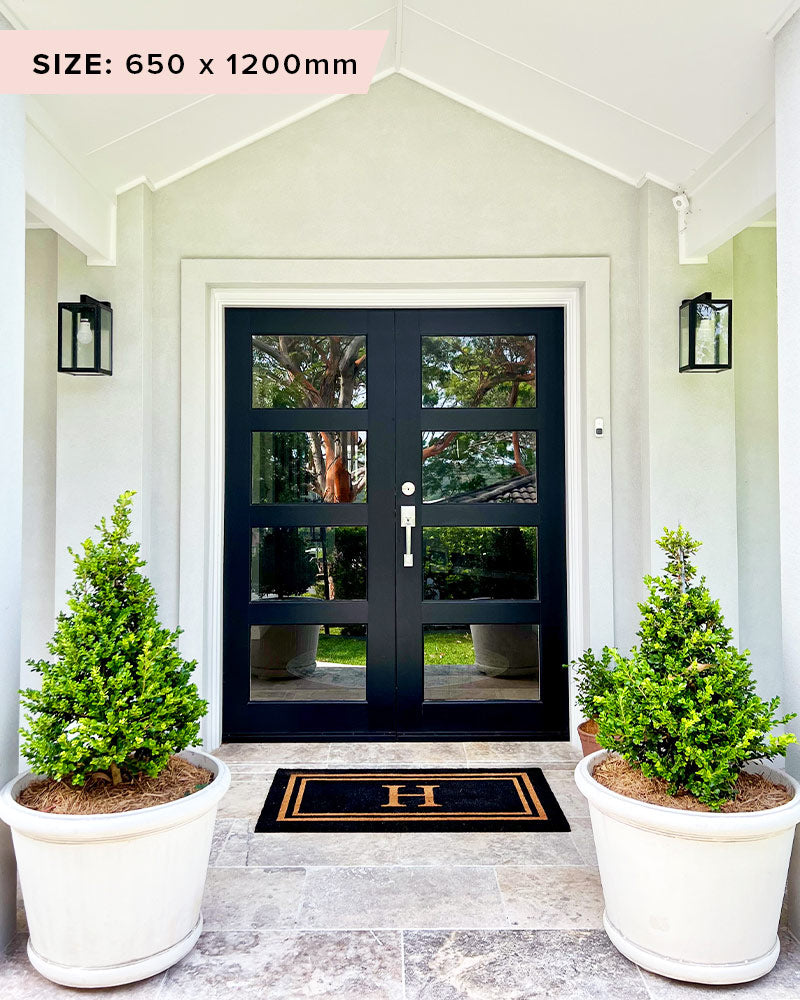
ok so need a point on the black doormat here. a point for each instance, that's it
(371, 799)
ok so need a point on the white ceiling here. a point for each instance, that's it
(638, 89)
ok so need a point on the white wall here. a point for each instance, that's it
(404, 172)
(12, 331)
(688, 430)
(401, 172)
(103, 432)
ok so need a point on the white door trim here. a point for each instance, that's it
(578, 284)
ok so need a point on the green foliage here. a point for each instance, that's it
(118, 697)
(679, 619)
(473, 460)
(683, 706)
(348, 570)
(307, 371)
(466, 563)
(285, 566)
(348, 563)
(592, 679)
(342, 647)
(478, 371)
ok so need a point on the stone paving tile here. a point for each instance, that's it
(222, 827)
(245, 798)
(282, 965)
(388, 754)
(783, 983)
(487, 849)
(251, 898)
(20, 981)
(553, 755)
(517, 965)
(273, 753)
(552, 898)
(350, 898)
(572, 802)
(315, 849)
(232, 852)
(583, 839)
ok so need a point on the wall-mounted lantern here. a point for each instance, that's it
(706, 334)
(84, 337)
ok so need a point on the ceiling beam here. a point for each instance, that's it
(735, 188)
(62, 198)
(398, 37)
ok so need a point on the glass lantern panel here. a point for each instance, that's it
(66, 326)
(85, 338)
(722, 334)
(105, 340)
(684, 335)
(706, 335)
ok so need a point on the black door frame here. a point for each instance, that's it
(394, 706)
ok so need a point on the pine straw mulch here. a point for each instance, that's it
(752, 791)
(179, 779)
(590, 727)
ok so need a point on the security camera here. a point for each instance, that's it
(681, 202)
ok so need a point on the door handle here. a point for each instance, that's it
(408, 520)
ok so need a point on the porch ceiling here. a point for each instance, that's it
(638, 90)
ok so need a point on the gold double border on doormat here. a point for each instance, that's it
(292, 811)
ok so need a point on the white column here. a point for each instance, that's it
(12, 328)
(787, 149)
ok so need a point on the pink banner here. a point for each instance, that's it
(189, 62)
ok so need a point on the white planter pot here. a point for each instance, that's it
(694, 896)
(114, 898)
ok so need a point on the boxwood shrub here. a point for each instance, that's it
(118, 697)
(683, 705)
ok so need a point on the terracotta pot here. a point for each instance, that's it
(589, 742)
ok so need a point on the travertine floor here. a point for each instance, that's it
(403, 916)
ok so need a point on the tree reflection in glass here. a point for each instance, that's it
(466, 563)
(306, 372)
(291, 372)
(498, 371)
(309, 466)
(479, 467)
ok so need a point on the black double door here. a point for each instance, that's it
(395, 545)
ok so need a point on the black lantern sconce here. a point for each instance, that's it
(84, 337)
(706, 334)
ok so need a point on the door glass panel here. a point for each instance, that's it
(481, 662)
(291, 372)
(320, 562)
(497, 371)
(308, 662)
(309, 466)
(479, 467)
(464, 564)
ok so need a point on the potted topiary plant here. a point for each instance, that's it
(693, 832)
(592, 680)
(112, 826)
